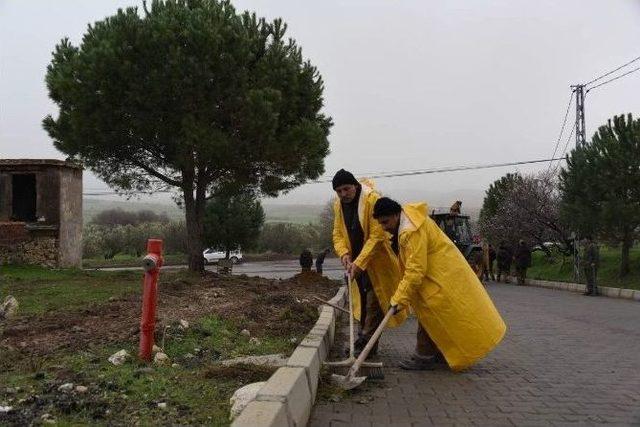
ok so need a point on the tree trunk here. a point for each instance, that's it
(627, 242)
(194, 208)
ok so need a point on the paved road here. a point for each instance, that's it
(566, 360)
(284, 269)
(267, 269)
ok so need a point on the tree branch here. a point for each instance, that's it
(157, 174)
(144, 6)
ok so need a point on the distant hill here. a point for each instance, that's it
(295, 213)
(299, 213)
(92, 206)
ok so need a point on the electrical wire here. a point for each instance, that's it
(564, 124)
(384, 175)
(613, 79)
(451, 169)
(612, 71)
(566, 145)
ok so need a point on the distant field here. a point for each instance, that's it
(298, 214)
(92, 207)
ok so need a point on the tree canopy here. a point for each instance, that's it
(233, 222)
(600, 185)
(192, 96)
(496, 194)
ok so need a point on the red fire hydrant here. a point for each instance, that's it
(151, 264)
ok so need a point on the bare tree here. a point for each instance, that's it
(326, 226)
(530, 211)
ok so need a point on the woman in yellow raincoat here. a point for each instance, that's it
(457, 319)
(375, 257)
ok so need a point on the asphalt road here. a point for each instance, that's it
(268, 269)
(284, 269)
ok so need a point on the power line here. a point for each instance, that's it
(566, 145)
(384, 175)
(612, 71)
(613, 79)
(114, 193)
(460, 168)
(564, 123)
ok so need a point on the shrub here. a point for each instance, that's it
(108, 241)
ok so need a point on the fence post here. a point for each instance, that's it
(151, 264)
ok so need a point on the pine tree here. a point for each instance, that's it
(601, 185)
(233, 222)
(193, 97)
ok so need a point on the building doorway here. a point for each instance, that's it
(24, 197)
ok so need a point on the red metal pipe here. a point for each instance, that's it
(151, 264)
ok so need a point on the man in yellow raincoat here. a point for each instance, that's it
(458, 322)
(365, 252)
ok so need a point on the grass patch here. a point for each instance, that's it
(561, 269)
(221, 339)
(40, 290)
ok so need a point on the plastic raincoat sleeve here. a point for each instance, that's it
(340, 244)
(415, 269)
(376, 236)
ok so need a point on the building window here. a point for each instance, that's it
(24, 197)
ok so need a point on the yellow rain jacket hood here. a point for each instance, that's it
(376, 257)
(450, 302)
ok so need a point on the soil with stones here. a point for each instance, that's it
(265, 307)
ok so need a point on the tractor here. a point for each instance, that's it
(457, 228)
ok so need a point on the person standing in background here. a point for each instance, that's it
(320, 260)
(591, 262)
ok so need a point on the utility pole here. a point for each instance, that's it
(580, 143)
(580, 129)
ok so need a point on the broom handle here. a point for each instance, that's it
(352, 350)
(330, 304)
(371, 343)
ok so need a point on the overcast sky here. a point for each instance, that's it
(410, 84)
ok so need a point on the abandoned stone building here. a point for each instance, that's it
(40, 212)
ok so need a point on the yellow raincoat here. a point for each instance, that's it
(450, 302)
(376, 257)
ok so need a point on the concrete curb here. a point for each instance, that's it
(579, 287)
(287, 397)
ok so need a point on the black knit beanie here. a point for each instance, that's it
(343, 177)
(386, 207)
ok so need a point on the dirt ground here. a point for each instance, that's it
(40, 353)
(263, 306)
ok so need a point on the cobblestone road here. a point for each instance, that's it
(566, 360)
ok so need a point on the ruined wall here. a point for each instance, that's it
(40, 251)
(12, 232)
(53, 237)
(70, 231)
(21, 246)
